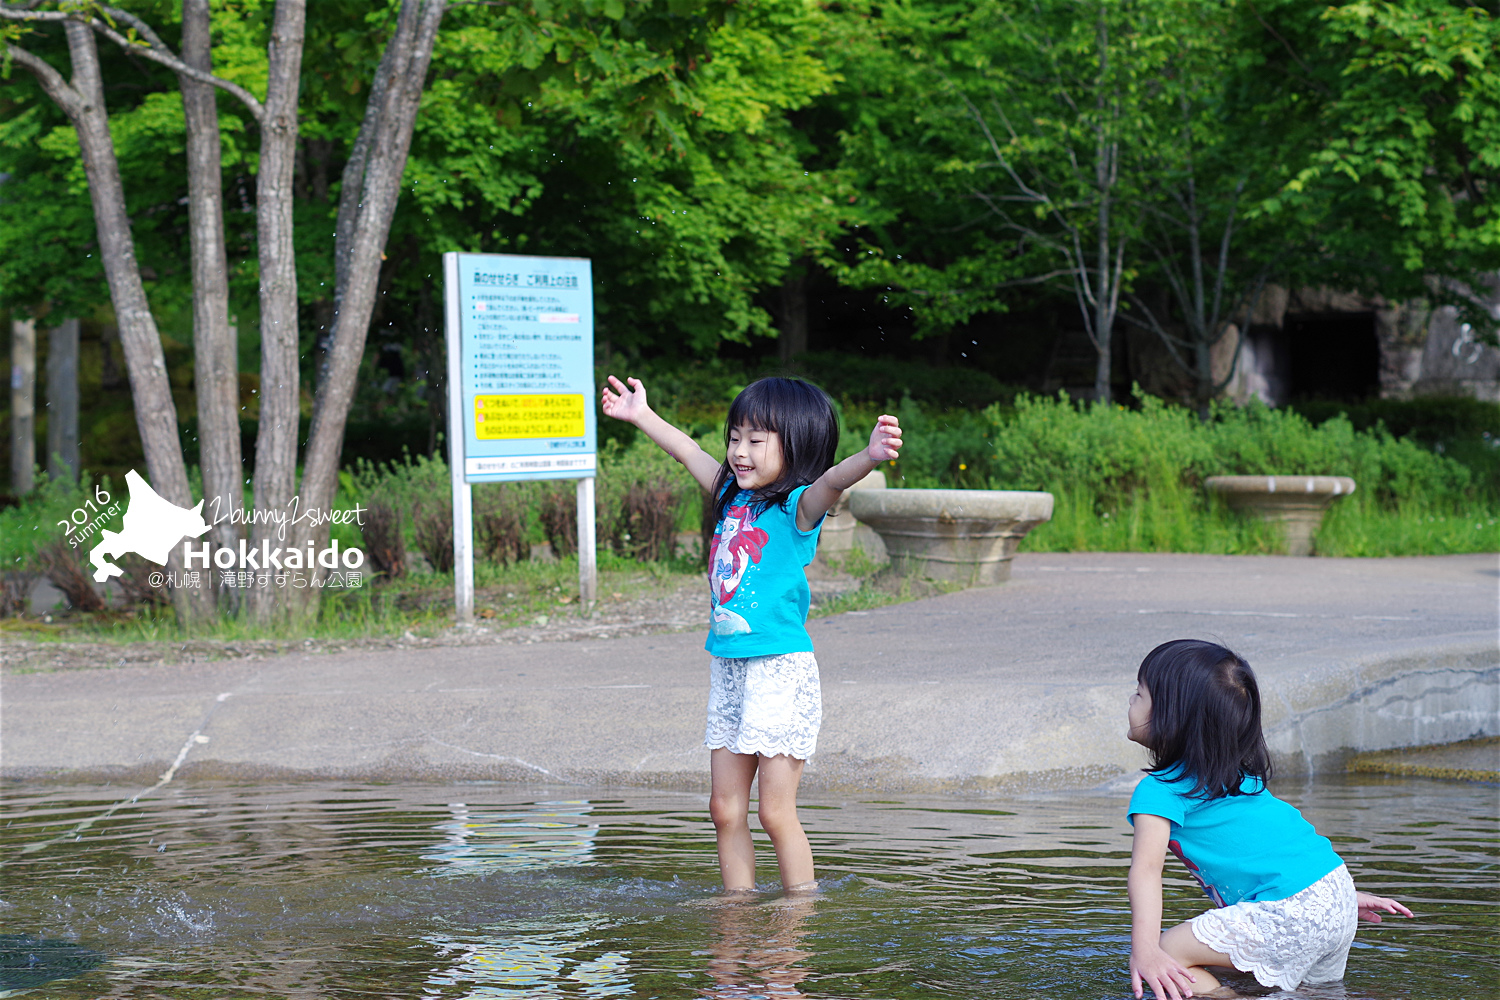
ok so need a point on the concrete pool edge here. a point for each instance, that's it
(1321, 708)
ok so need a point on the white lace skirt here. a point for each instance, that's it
(768, 705)
(1284, 942)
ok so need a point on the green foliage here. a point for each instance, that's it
(1388, 125)
(1466, 430)
(878, 380)
(663, 153)
(1132, 479)
(418, 487)
(33, 522)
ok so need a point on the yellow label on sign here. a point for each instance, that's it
(502, 417)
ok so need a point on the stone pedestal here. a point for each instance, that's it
(961, 536)
(837, 536)
(1295, 503)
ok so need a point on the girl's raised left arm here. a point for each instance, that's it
(819, 498)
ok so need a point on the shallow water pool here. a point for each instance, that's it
(479, 890)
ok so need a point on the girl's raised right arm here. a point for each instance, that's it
(628, 403)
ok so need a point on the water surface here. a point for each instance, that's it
(343, 890)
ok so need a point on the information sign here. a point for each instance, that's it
(526, 353)
(520, 334)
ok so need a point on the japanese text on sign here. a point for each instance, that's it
(498, 418)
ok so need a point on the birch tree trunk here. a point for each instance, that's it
(22, 404)
(215, 358)
(1106, 174)
(62, 400)
(367, 203)
(276, 444)
(155, 413)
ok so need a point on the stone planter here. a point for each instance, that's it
(837, 535)
(962, 536)
(1296, 503)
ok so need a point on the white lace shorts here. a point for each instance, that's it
(1284, 942)
(768, 705)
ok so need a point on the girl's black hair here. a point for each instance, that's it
(803, 418)
(1205, 717)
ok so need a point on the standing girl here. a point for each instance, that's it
(770, 494)
(1287, 906)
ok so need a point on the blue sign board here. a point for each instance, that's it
(524, 336)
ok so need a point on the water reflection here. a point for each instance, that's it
(347, 891)
(756, 948)
(541, 959)
(27, 962)
(488, 839)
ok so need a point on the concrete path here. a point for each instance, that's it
(1003, 688)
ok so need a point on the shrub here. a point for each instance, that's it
(415, 494)
(878, 380)
(68, 570)
(1133, 479)
(32, 544)
(558, 512)
(1463, 429)
(643, 498)
(33, 523)
(432, 530)
(500, 522)
(646, 527)
(383, 540)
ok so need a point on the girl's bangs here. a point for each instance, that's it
(755, 410)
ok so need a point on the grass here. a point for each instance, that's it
(528, 593)
(518, 595)
(1170, 520)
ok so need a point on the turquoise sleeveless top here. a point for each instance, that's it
(760, 594)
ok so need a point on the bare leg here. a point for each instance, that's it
(779, 777)
(729, 804)
(1180, 943)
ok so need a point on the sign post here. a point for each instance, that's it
(520, 336)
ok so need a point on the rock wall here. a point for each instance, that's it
(1423, 351)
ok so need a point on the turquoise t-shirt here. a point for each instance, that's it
(756, 574)
(1239, 847)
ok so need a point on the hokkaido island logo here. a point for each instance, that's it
(152, 526)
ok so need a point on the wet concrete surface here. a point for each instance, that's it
(1003, 688)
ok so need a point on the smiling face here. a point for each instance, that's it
(1139, 715)
(754, 457)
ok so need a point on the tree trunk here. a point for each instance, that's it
(793, 315)
(1105, 174)
(22, 405)
(371, 188)
(155, 412)
(276, 444)
(216, 359)
(62, 401)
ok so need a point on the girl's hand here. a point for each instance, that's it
(1167, 977)
(630, 403)
(1370, 905)
(885, 440)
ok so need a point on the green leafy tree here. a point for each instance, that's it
(1387, 118)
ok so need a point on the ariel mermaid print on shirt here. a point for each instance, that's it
(1208, 889)
(736, 545)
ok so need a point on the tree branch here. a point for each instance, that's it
(51, 80)
(154, 49)
(257, 110)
